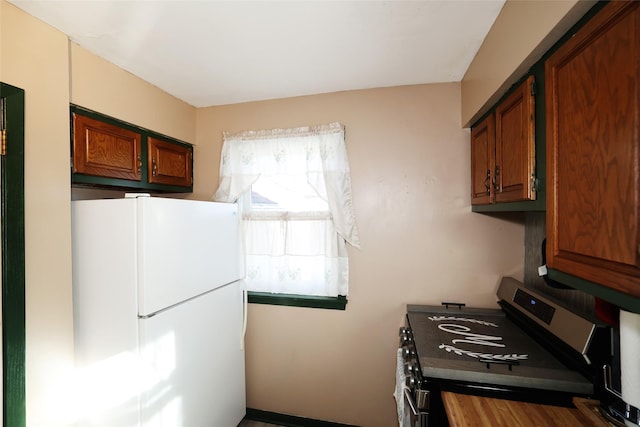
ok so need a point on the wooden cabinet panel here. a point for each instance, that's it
(503, 150)
(482, 161)
(515, 145)
(593, 156)
(169, 163)
(102, 149)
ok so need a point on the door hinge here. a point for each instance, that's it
(3, 144)
(533, 89)
(3, 126)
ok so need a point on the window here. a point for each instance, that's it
(294, 189)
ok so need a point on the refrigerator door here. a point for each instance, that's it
(138, 255)
(185, 248)
(194, 352)
(104, 313)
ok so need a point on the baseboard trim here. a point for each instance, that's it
(288, 420)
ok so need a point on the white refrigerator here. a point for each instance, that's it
(159, 313)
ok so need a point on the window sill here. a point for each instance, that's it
(330, 303)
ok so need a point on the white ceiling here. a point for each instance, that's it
(213, 52)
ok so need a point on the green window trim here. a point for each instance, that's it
(309, 301)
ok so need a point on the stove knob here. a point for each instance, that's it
(405, 332)
(411, 382)
(410, 368)
(406, 339)
(408, 353)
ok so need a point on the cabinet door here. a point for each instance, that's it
(593, 162)
(515, 145)
(169, 163)
(103, 149)
(482, 161)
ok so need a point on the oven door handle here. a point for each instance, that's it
(607, 382)
(407, 396)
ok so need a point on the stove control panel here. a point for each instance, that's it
(535, 306)
(571, 328)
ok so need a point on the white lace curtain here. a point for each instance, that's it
(288, 251)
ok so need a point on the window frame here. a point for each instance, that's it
(291, 300)
(237, 174)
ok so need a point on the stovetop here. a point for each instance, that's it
(487, 347)
(484, 346)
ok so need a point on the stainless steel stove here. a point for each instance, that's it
(531, 349)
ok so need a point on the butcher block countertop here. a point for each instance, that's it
(466, 411)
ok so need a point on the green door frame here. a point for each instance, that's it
(13, 262)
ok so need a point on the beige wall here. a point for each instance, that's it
(410, 173)
(53, 73)
(34, 58)
(101, 86)
(523, 31)
(420, 244)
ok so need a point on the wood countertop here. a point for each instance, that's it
(466, 411)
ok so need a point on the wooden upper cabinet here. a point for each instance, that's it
(593, 154)
(106, 150)
(515, 145)
(503, 150)
(169, 163)
(110, 153)
(483, 161)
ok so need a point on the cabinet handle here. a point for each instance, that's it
(486, 182)
(154, 167)
(496, 181)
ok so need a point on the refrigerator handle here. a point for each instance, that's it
(245, 306)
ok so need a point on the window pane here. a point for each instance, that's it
(290, 193)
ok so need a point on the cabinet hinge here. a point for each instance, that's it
(533, 88)
(534, 183)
